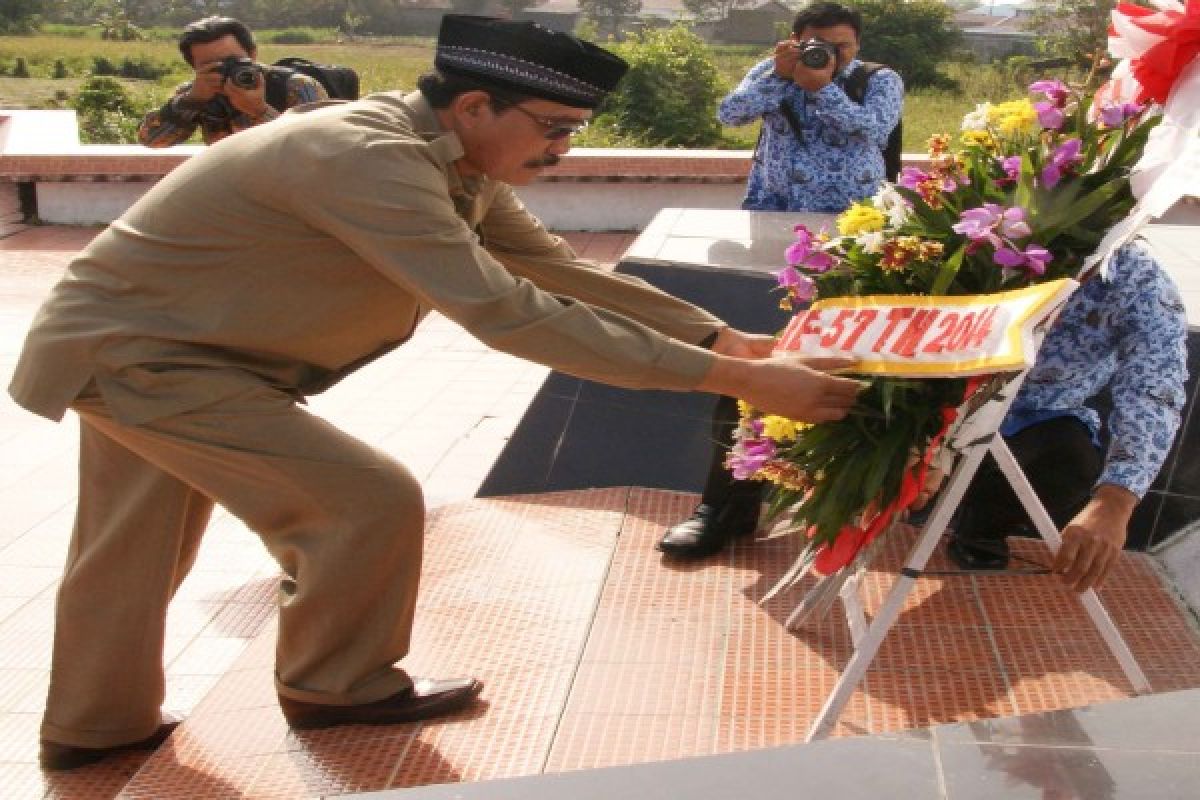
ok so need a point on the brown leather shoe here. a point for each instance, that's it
(55, 756)
(427, 698)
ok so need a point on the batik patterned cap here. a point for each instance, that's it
(527, 58)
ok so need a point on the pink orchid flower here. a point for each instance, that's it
(1065, 156)
(1050, 116)
(801, 253)
(1055, 91)
(800, 287)
(1113, 115)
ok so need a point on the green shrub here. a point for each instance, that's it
(20, 69)
(102, 66)
(141, 68)
(107, 114)
(291, 36)
(103, 94)
(669, 96)
(911, 37)
(108, 127)
(60, 70)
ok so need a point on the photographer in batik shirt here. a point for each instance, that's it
(228, 93)
(820, 150)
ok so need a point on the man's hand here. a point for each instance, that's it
(788, 386)
(1092, 542)
(739, 344)
(786, 53)
(814, 80)
(251, 102)
(207, 84)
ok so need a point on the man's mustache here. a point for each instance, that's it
(548, 160)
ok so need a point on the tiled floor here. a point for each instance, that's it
(594, 652)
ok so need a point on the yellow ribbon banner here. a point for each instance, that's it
(931, 337)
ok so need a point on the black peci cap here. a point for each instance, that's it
(527, 58)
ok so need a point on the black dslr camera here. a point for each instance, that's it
(241, 72)
(816, 54)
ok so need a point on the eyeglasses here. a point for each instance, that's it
(555, 128)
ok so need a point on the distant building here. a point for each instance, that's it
(761, 24)
(997, 32)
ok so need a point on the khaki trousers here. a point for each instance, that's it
(344, 521)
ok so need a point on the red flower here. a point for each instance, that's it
(1159, 66)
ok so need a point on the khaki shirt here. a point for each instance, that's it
(296, 252)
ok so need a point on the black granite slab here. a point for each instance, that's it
(579, 434)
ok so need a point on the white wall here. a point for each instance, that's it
(620, 206)
(86, 203)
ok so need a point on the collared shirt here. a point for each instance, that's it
(840, 159)
(1126, 333)
(294, 253)
(178, 118)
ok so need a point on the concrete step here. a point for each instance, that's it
(1143, 747)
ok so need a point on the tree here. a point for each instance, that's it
(711, 10)
(114, 22)
(514, 7)
(20, 16)
(910, 37)
(669, 96)
(1072, 28)
(609, 15)
(469, 6)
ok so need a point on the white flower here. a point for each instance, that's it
(977, 120)
(871, 242)
(892, 203)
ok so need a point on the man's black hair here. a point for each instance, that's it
(440, 89)
(209, 29)
(826, 15)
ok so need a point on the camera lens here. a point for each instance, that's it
(815, 56)
(241, 72)
(244, 78)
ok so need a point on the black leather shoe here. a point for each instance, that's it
(709, 528)
(990, 555)
(427, 698)
(56, 757)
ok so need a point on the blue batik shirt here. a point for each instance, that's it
(840, 159)
(1127, 333)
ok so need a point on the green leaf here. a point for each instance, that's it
(948, 271)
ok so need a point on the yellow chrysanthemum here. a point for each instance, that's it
(1014, 117)
(860, 218)
(779, 428)
(978, 139)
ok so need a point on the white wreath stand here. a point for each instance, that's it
(976, 436)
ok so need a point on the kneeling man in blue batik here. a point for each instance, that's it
(1123, 334)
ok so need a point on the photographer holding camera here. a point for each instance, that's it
(228, 93)
(826, 116)
(829, 127)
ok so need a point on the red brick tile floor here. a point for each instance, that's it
(594, 652)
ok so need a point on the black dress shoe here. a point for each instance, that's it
(55, 756)
(709, 528)
(427, 698)
(970, 556)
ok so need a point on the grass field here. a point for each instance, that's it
(394, 64)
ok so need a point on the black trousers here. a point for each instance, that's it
(719, 486)
(1062, 465)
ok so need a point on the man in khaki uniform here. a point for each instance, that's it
(265, 269)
